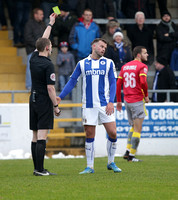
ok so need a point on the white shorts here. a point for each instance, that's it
(95, 116)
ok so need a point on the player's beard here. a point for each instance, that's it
(99, 54)
(144, 59)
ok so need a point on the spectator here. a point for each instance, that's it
(22, 8)
(167, 35)
(63, 24)
(164, 79)
(99, 8)
(140, 35)
(47, 5)
(111, 27)
(119, 52)
(83, 33)
(34, 29)
(66, 64)
(10, 8)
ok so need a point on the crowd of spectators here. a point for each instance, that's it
(75, 27)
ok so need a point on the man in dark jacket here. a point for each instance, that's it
(63, 24)
(140, 35)
(34, 29)
(167, 35)
(164, 79)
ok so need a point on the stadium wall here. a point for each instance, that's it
(159, 135)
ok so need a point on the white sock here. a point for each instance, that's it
(89, 150)
(111, 149)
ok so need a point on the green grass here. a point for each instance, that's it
(154, 178)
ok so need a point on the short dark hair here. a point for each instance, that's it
(97, 40)
(137, 49)
(41, 43)
(88, 9)
(35, 10)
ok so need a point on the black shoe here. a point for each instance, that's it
(133, 159)
(34, 171)
(43, 173)
(126, 155)
(50, 173)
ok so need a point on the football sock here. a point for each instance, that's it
(40, 153)
(111, 149)
(89, 150)
(33, 151)
(134, 143)
(129, 139)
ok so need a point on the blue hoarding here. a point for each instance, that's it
(161, 122)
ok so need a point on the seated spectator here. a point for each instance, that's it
(83, 33)
(34, 29)
(111, 28)
(164, 79)
(140, 35)
(119, 52)
(63, 24)
(66, 65)
(167, 35)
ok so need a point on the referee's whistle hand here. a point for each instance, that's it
(57, 111)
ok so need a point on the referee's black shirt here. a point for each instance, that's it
(42, 73)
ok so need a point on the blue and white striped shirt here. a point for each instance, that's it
(99, 81)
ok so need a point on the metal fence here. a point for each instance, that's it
(132, 21)
(77, 98)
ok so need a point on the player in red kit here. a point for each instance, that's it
(133, 77)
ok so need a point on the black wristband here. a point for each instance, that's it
(50, 25)
(56, 106)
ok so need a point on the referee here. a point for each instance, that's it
(42, 98)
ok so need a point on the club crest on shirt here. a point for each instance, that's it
(102, 62)
(53, 77)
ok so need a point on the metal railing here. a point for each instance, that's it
(132, 21)
(13, 92)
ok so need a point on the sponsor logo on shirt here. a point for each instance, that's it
(94, 72)
(131, 67)
(53, 77)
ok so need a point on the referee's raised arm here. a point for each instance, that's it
(47, 31)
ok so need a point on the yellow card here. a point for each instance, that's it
(56, 10)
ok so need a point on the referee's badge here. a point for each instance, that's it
(53, 77)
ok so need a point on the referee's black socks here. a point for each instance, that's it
(40, 153)
(33, 150)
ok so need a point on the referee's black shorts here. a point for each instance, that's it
(41, 113)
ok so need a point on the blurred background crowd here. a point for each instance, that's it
(76, 28)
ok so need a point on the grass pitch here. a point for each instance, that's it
(155, 178)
